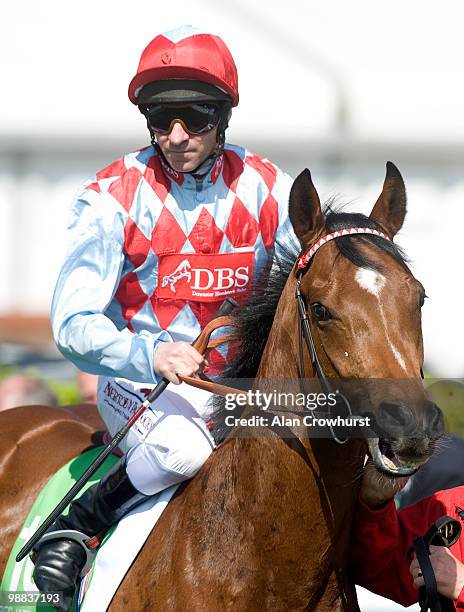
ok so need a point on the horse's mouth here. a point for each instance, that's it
(387, 462)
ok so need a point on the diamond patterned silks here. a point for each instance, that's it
(205, 236)
(235, 210)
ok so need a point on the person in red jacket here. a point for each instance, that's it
(382, 536)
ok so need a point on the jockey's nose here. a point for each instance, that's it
(178, 135)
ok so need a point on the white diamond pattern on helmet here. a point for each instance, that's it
(178, 34)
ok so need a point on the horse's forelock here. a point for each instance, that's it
(349, 245)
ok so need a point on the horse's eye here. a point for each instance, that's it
(320, 312)
(422, 296)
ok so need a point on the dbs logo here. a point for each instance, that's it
(204, 277)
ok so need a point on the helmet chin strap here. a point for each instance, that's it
(220, 139)
(221, 131)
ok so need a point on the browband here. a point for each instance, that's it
(304, 260)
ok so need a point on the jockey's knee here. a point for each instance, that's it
(184, 454)
(168, 456)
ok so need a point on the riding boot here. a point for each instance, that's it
(59, 562)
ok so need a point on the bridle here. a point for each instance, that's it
(304, 328)
(304, 333)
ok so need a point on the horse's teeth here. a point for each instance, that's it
(389, 463)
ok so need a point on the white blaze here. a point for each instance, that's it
(398, 356)
(373, 282)
(370, 280)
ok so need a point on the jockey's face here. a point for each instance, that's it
(185, 152)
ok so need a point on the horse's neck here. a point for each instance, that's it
(335, 465)
(284, 483)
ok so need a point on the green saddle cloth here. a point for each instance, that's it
(17, 589)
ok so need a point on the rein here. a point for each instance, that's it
(443, 532)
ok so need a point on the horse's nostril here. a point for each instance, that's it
(398, 412)
(435, 422)
(395, 418)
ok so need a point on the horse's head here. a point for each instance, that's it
(364, 309)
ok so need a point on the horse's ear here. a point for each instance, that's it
(390, 209)
(305, 208)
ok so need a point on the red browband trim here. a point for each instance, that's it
(304, 260)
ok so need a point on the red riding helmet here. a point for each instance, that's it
(186, 53)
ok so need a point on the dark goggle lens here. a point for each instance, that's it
(197, 118)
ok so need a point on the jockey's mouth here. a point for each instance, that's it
(387, 461)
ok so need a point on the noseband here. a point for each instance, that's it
(304, 328)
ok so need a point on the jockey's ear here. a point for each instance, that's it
(305, 209)
(390, 209)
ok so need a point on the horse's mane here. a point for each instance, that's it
(254, 320)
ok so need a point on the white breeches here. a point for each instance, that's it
(169, 443)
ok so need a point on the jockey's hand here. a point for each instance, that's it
(175, 358)
(376, 488)
(449, 572)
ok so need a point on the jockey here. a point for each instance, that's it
(157, 241)
(383, 536)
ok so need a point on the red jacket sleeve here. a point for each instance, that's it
(382, 538)
(460, 602)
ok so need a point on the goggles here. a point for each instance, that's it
(194, 118)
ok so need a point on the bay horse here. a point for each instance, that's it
(265, 524)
